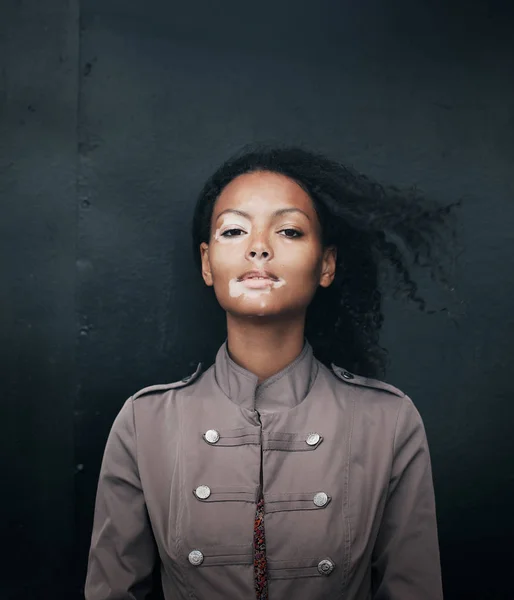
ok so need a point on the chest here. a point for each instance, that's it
(204, 468)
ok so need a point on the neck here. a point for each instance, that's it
(264, 347)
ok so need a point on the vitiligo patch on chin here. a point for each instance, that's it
(239, 288)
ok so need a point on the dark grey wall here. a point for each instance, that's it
(38, 120)
(106, 135)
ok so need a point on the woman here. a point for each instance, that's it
(275, 473)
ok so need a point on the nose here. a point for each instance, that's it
(259, 254)
(259, 249)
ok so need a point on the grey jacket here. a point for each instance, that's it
(346, 478)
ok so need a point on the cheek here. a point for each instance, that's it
(304, 265)
(225, 255)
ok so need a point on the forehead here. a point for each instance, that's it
(263, 192)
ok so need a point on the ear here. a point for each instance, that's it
(206, 265)
(328, 266)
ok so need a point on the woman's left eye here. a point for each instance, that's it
(291, 233)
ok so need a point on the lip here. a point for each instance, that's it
(258, 276)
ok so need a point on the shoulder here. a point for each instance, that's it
(164, 387)
(393, 408)
(399, 415)
(365, 382)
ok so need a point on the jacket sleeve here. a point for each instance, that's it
(123, 551)
(405, 563)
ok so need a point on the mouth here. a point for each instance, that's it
(254, 283)
(257, 280)
(258, 276)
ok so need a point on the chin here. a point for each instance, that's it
(255, 313)
(254, 309)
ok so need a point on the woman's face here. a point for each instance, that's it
(265, 256)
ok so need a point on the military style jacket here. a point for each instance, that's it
(345, 473)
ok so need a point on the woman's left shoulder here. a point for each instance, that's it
(382, 397)
(365, 382)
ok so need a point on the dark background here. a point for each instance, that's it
(112, 114)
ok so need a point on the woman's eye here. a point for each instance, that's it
(291, 233)
(232, 232)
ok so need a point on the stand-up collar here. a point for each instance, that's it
(281, 391)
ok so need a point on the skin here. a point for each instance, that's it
(266, 221)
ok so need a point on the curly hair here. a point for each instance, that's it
(379, 233)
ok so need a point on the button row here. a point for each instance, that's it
(325, 566)
(321, 499)
(212, 437)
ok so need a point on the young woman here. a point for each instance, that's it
(275, 473)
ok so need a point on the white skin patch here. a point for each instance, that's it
(228, 223)
(238, 288)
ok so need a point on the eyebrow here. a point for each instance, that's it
(277, 213)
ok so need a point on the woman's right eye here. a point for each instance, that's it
(232, 232)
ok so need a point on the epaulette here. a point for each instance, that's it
(352, 379)
(163, 387)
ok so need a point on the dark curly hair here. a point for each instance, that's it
(377, 231)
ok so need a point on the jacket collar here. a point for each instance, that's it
(281, 391)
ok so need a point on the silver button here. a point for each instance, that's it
(203, 492)
(196, 558)
(211, 436)
(320, 499)
(325, 566)
(313, 439)
(347, 374)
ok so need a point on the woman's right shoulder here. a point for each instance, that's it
(164, 387)
(150, 406)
